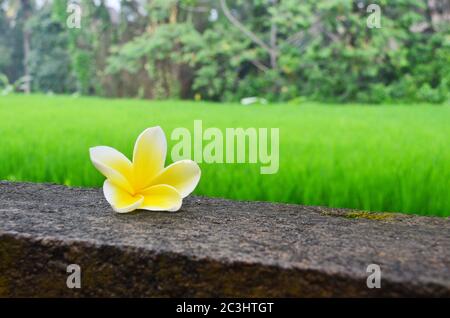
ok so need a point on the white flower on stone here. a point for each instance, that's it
(145, 183)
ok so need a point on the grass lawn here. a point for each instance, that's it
(379, 158)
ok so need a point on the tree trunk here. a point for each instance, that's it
(173, 14)
(26, 7)
(273, 42)
(439, 13)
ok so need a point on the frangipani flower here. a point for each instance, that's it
(145, 183)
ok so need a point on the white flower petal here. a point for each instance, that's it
(161, 197)
(113, 165)
(120, 200)
(149, 156)
(183, 175)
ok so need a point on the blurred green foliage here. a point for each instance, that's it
(226, 50)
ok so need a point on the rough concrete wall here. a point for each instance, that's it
(212, 248)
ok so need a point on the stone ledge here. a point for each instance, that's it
(212, 248)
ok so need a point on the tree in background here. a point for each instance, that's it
(165, 50)
(6, 45)
(49, 60)
(15, 40)
(88, 45)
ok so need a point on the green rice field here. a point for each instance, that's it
(377, 158)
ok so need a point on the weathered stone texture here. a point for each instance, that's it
(213, 247)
